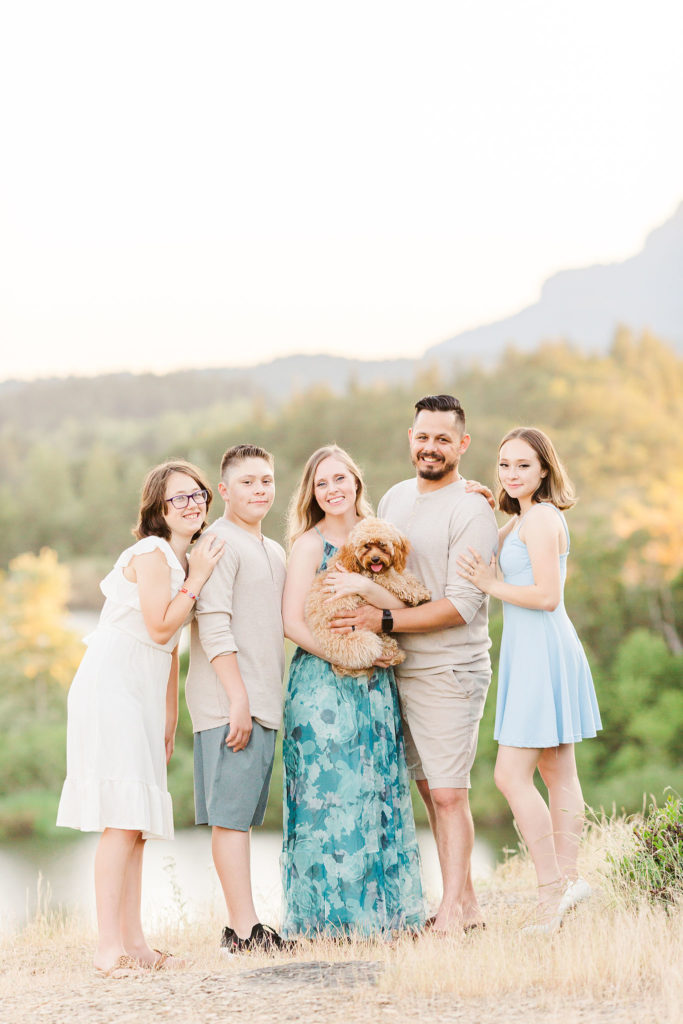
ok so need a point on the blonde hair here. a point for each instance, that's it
(555, 486)
(304, 511)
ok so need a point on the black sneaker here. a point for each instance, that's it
(262, 939)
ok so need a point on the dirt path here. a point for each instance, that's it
(278, 992)
(613, 962)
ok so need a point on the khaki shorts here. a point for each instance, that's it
(441, 715)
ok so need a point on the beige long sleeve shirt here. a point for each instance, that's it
(439, 525)
(239, 611)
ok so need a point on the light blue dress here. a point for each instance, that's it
(350, 860)
(545, 689)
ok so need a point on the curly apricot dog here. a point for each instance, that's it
(377, 550)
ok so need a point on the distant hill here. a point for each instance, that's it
(587, 305)
(144, 396)
(584, 306)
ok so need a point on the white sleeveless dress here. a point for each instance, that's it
(115, 751)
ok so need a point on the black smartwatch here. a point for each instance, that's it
(387, 621)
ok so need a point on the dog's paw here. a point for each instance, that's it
(391, 652)
(412, 591)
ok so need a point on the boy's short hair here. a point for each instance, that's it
(240, 452)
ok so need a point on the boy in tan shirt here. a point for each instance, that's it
(234, 685)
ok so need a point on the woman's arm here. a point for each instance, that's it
(339, 582)
(301, 570)
(172, 705)
(543, 541)
(152, 573)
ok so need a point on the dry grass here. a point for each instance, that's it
(614, 959)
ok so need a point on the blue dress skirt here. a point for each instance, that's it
(350, 861)
(545, 688)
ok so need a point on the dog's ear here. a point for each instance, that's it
(347, 558)
(401, 549)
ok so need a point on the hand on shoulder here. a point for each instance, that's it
(205, 554)
(474, 487)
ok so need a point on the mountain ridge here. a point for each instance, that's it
(583, 305)
(586, 305)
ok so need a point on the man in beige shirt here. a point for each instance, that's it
(234, 685)
(446, 675)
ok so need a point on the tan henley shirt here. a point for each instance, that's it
(239, 610)
(439, 525)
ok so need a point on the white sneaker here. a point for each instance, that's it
(576, 892)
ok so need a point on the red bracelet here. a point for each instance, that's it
(184, 590)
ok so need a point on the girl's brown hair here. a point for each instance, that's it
(151, 522)
(555, 486)
(304, 511)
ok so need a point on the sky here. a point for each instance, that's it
(222, 183)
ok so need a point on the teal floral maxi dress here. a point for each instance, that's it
(350, 861)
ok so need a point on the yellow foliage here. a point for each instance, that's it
(558, 387)
(656, 516)
(33, 640)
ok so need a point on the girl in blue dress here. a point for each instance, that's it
(350, 862)
(546, 699)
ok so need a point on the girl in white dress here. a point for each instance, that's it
(123, 705)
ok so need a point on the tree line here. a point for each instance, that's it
(616, 419)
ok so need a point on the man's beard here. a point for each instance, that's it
(434, 470)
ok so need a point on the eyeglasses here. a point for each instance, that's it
(183, 500)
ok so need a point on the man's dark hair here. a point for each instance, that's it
(442, 403)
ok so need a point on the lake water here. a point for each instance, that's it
(179, 878)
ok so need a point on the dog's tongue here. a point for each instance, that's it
(376, 566)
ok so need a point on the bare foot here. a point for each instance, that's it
(448, 920)
(106, 956)
(472, 917)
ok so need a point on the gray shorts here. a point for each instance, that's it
(441, 715)
(231, 789)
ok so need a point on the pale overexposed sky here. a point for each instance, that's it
(224, 182)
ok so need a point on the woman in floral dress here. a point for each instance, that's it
(350, 862)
